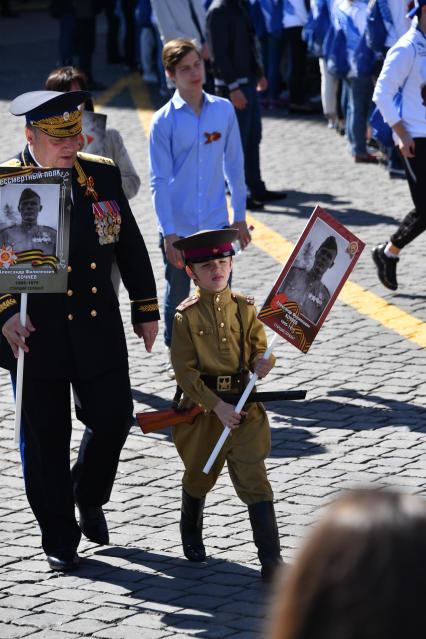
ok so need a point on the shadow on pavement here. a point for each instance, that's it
(360, 412)
(295, 199)
(210, 595)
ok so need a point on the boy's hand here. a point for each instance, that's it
(262, 367)
(227, 415)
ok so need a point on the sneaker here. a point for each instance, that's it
(168, 364)
(365, 158)
(386, 267)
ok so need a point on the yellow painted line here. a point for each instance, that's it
(114, 90)
(366, 303)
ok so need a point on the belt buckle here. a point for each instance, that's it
(224, 382)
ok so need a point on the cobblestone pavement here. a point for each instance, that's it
(362, 424)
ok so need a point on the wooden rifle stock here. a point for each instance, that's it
(154, 420)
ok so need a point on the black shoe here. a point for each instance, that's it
(270, 196)
(253, 204)
(266, 538)
(386, 267)
(191, 527)
(93, 524)
(63, 564)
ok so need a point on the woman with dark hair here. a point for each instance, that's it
(361, 575)
(73, 79)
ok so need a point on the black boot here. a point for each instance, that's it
(265, 535)
(191, 527)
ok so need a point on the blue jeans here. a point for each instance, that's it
(178, 285)
(272, 45)
(360, 92)
(251, 134)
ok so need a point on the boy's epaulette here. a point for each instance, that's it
(12, 162)
(90, 157)
(189, 301)
(249, 299)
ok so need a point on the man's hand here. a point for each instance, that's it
(205, 53)
(238, 99)
(227, 415)
(407, 146)
(243, 233)
(15, 333)
(148, 331)
(262, 85)
(174, 257)
(262, 367)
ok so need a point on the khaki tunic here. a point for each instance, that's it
(22, 238)
(206, 340)
(310, 294)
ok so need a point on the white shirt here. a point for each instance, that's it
(404, 66)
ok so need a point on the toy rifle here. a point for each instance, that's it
(158, 419)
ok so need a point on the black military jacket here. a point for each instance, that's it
(80, 333)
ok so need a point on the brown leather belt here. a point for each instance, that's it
(225, 383)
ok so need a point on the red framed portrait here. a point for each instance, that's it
(307, 287)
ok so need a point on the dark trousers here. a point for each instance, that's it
(51, 487)
(249, 121)
(296, 52)
(272, 46)
(85, 44)
(414, 223)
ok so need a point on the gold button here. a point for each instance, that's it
(93, 265)
(222, 324)
(70, 317)
(69, 269)
(70, 292)
(218, 308)
(218, 299)
(223, 339)
(94, 289)
(201, 333)
(93, 313)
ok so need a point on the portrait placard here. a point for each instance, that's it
(93, 133)
(35, 207)
(311, 279)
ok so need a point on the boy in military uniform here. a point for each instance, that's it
(217, 339)
(29, 235)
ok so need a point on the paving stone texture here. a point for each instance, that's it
(362, 424)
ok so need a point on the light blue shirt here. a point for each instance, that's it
(190, 157)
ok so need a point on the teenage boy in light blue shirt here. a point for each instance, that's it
(195, 146)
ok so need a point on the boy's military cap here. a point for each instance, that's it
(207, 245)
(53, 112)
(329, 243)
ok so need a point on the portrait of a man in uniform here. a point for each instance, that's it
(29, 235)
(304, 285)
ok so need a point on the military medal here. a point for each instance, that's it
(107, 221)
(90, 189)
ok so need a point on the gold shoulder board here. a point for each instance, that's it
(190, 301)
(12, 162)
(89, 157)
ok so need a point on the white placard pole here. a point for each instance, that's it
(20, 371)
(238, 408)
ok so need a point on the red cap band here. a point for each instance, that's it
(207, 251)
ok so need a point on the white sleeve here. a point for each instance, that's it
(396, 68)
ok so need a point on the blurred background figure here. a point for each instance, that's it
(361, 573)
(73, 79)
(147, 44)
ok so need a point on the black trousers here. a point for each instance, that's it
(51, 487)
(414, 223)
(296, 51)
